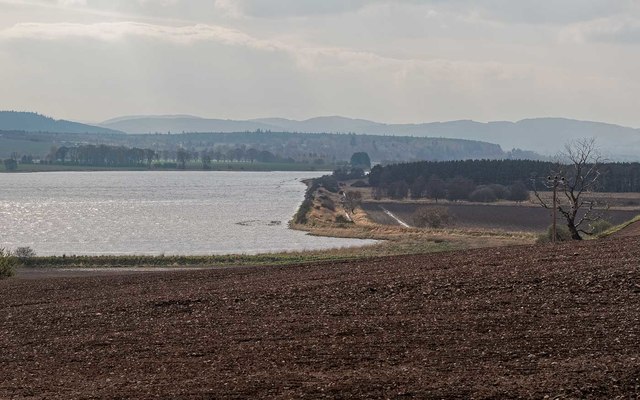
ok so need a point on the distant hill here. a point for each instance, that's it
(542, 135)
(134, 117)
(324, 124)
(33, 122)
(182, 124)
(312, 148)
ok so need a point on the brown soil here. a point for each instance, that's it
(41, 273)
(517, 322)
(628, 231)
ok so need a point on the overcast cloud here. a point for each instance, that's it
(387, 60)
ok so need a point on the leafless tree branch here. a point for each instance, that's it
(579, 165)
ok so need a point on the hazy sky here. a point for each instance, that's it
(391, 61)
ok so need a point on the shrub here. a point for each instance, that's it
(518, 192)
(352, 200)
(562, 234)
(8, 264)
(483, 194)
(307, 204)
(460, 188)
(359, 184)
(328, 204)
(361, 160)
(432, 217)
(600, 226)
(436, 188)
(345, 174)
(301, 215)
(501, 191)
(398, 190)
(168, 165)
(23, 253)
(341, 219)
(328, 182)
(418, 188)
(10, 164)
(377, 193)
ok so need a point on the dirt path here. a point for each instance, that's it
(521, 322)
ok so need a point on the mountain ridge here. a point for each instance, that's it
(34, 122)
(544, 135)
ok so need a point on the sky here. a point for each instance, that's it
(395, 61)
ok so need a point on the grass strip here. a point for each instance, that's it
(389, 248)
(618, 228)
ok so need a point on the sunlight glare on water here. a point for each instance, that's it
(91, 213)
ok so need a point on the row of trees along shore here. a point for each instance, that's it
(119, 156)
(613, 177)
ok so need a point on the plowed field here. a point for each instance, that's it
(629, 231)
(485, 216)
(519, 322)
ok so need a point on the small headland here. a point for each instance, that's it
(344, 208)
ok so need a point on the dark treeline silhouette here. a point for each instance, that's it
(120, 156)
(223, 154)
(304, 148)
(615, 177)
(101, 155)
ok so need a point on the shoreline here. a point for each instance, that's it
(390, 241)
(340, 250)
(221, 167)
(322, 221)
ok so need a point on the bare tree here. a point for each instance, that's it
(205, 156)
(352, 200)
(182, 156)
(377, 193)
(150, 155)
(576, 174)
(436, 188)
(432, 217)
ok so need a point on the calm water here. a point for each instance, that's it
(155, 213)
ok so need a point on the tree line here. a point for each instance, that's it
(308, 148)
(224, 154)
(101, 155)
(120, 156)
(614, 177)
(458, 188)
